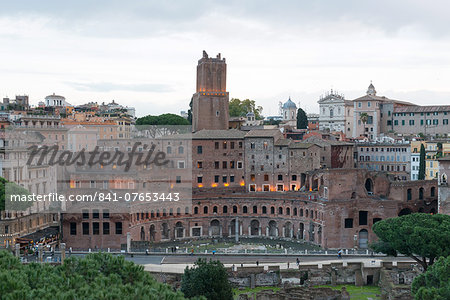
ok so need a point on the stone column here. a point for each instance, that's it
(249, 230)
(40, 253)
(17, 250)
(128, 242)
(63, 252)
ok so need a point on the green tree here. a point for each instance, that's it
(9, 188)
(209, 279)
(164, 119)
(189, 118)
(302, 119)
(422, 163)
(97, 276)
(423, 237)
(434, 283)
(238, 108)
(364, 117)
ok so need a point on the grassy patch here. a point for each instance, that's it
(358, 292)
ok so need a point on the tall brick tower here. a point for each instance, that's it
(210, 102)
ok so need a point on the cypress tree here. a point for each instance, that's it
(422, 163)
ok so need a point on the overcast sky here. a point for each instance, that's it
(144, 53)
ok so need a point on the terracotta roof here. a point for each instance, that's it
(407, 109)
(383, 99)
(263, 133)
(321, 142)
(218, 134)
(301, 145)
(283, 142)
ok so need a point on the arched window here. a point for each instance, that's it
(264, 210)
(215, 209)
(433, 192)
(169, 150)
(288, 211)
(235, 209)
(421, 193)
(225, 209)
(280, 210)
(369, 186)
(295, 211)
(255, 209)
(196, 210)
(205, 209)
(244, 209)
(301, 212)
(180, 150)
(272, 210)
(409, 194)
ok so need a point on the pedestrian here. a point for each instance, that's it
(340, 253)
(257, 263)
(146, 251)
(288, 265)
(298, 262)
(192, 251)
(214, 252)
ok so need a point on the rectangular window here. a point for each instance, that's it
(73, 228)
(95, 214)
(224, 164)
(216, 178)
(199, 179)
(224, 145)
(231, 145)
(232, 164)
(348, 223)
(85, 228)
(252, 145)
(105, 214)
(363, 217)
(231, 178)
(96, 228)
(224, 179)
(445, 121)
(118, 227)
(395, 122)
(216, 145)
(199, 165)
(280, 177)
(178, 179)
(85, 214)
(199, 149)
(216, 165)
(239, 164)
(106, 228)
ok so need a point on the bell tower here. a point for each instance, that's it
(210, 102)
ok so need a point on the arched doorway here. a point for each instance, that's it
(273, 230)
(319, 235)
(179, 230)
(142, 233)
(152, 233)
(214, 228)
(288, 229)
(164, 231)
(301, 231)
(363, 239)
(254, 227)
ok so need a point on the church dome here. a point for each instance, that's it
(289, 104)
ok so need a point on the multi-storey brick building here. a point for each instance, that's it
(218, 159)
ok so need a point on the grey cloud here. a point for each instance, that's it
(148, 18)
(110, 86)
